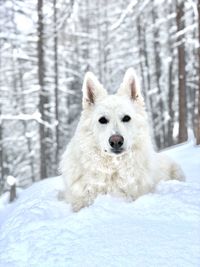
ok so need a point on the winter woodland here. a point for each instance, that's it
(47, 46)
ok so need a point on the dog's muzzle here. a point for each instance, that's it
(116, 142)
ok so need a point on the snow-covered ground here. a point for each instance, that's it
(158, 229)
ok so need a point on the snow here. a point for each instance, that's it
(11, 180)
(25, 117)
(158, 229)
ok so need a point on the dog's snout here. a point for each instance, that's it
(116, 141)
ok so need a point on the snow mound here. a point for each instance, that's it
(158, 229)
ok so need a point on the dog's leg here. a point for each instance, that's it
(176, 173)
(82, 194)
(78, 203)
(168, 169)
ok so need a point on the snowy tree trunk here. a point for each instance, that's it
(43, 100)
(198, 112)
(105, 50)
(1, 133)
(25, 126)
(12, 193)
(170, 105)
(56, 81)
(141, 54)
(144, 67)
(160, 138)
(1, 155)
(182, 134)
(171, 87)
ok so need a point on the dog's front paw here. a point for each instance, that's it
(79, 204)
(83, 200)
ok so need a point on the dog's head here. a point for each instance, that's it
(117, 121)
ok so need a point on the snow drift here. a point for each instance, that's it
(158, 229)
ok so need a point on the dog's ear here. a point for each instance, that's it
(92, 90)
(130, 86)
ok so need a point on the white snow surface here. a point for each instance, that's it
(158, 229)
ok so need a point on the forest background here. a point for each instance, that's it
(47, 46)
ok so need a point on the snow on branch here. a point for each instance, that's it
(27, 117)
(11, 180)
(127, 11)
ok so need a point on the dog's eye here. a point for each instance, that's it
(103, 120)
(126, 118)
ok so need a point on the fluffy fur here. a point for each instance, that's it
(89, 165)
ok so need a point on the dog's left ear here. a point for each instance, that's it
(130, 86)
(93, 90)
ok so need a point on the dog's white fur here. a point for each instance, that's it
(89, 167)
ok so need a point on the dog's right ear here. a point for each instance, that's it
(93, 90)
(130, 87)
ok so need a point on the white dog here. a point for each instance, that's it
(111, 151)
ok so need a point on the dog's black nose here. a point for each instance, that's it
(116, 141)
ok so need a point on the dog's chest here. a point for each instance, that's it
(116, 176)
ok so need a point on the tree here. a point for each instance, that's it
(156, 51)
(171, 78)
(56, 80)
(1, 156)
(182, 134)
(43, 97)
(198, 109)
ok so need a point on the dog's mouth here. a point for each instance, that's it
(117, 151)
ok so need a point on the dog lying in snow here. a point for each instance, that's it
(111, 151)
